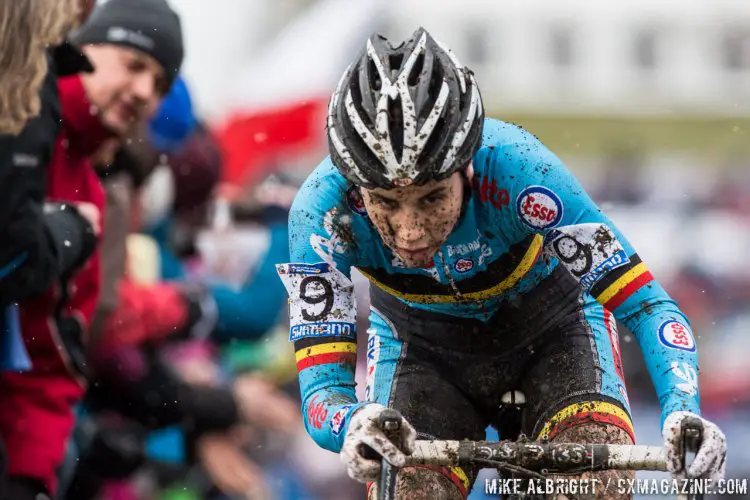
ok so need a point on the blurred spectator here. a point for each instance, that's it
(175, 222)
(123, 170)
(174, 121)
(132, 73)
(732, 193)
(140, 316)
(137, 312)
(27, 29)
(701, 294)
(39, 245)
(622, 183)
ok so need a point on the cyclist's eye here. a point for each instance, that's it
(385, 202)
(433, 200)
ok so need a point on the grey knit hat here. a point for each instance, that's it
(150, 26)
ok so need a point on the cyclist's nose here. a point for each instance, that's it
(409, 229)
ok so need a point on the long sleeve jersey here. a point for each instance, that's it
(524, 204)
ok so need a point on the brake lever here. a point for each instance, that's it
(691, 438)
(389, 421)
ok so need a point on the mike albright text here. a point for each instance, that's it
(621, 486)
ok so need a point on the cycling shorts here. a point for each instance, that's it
(447, 375)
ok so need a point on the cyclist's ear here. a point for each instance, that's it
(467, 178)
(469, 172)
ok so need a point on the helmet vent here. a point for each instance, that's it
(394, 63)
(396, 119)
(375, 82)
(434, 139)
(418, 67)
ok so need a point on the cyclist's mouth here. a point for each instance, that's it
(413, 254)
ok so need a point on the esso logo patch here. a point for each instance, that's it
(463, 265)
(676, 335)
(338, 419)
(539, 207)
(355, 201)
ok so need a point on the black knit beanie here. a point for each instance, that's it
(150, 26)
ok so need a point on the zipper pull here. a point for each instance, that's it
(449, 276)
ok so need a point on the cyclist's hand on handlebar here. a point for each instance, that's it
(364, 430)
(709, 462)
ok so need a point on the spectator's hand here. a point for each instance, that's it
(263, 405)
(229, 469)
(198, 371)
(89, 212)
(203, 312)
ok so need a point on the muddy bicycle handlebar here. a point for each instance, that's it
(538, 456)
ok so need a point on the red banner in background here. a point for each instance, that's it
(254, 142)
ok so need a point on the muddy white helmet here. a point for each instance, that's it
(404, 115)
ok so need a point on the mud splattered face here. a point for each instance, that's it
(415, 220)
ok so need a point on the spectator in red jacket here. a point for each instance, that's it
(135, 47)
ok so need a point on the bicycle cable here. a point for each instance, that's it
(515, 469)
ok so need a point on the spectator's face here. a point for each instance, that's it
(126, 86)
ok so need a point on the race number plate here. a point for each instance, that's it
(321, 301)
(588, 251)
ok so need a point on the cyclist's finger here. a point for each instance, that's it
(358, 467)
(351, 453)
(365, 471)
(671, 440)
(700, 465)
(721, 472)
(383, 446)
(711, 450)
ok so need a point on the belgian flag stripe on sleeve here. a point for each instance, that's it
(306, 342)
(614, 275)
(621, 283)
(325, 353)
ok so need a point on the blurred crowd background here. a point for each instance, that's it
(647, 102)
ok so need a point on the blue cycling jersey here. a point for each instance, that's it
(526, 215)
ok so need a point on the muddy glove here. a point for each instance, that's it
(364, 430)
(709, 462)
